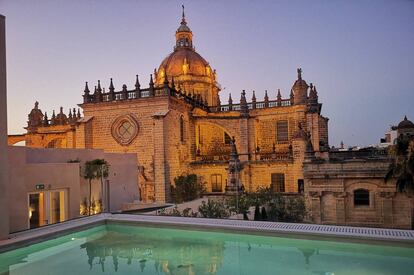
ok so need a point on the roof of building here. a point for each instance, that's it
(184, 61)
(405, 123)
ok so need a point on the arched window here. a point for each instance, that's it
(361, 197)
(181, 129)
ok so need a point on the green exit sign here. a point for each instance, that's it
(40, 186)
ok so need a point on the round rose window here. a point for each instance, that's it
(125, 129)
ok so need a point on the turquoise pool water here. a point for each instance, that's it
(124, 249)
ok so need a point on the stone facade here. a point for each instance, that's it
(178, 125)
(349, 188)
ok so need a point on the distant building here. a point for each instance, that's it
(349, 188)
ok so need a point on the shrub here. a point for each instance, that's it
(187, 188)
(239, 204)
(213, 209)
(287, 209)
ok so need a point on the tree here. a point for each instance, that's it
(187, 188)
(402, 164)
(264, 214)
(95, 169)
(257, 216)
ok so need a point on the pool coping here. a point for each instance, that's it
(298, 230)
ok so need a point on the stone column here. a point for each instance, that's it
(162, 188)
(244, 139)
(4, 179)
(387, 208)
(315, 200)
(340, 207)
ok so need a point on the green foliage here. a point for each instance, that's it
(213, 209)
(257, 215)
(175, 212)
(239, 204)
(187, 188)
(94, 169)
(402, 165)
(287, 208)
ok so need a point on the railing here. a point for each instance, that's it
(253, 105)
(144, 93)
(211, 158)
(273, 156)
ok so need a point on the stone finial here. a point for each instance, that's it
(45, 120)
(99, 89)
(183, 15)
(254, 100)
(279, 95)
(151, 86)
(111, 86)
(124, 92)
(244, 109)
(61, 110)
(299, 70)
(86, 91)
(53, 119)
(70, 114)
(36, 105)
(266, 100)
(230, 100)
(137, 85)
(79, 114)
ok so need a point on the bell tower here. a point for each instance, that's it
(183, 35)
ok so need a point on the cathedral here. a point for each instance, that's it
(179, 125)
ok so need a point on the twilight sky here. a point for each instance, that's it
(360, 54)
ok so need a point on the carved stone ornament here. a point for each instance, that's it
(124, 129)
(387, 195)
(315, 194)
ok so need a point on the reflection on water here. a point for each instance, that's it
(165, 253)
(121, 249)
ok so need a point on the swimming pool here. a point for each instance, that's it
(130, 249)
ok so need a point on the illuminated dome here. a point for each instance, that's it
(184, 61)
(191, 72)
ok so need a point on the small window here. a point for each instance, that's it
(278, 182)
(361, 197)
(227, 138)
(181, 129)
(216, 183)
(282, 134)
